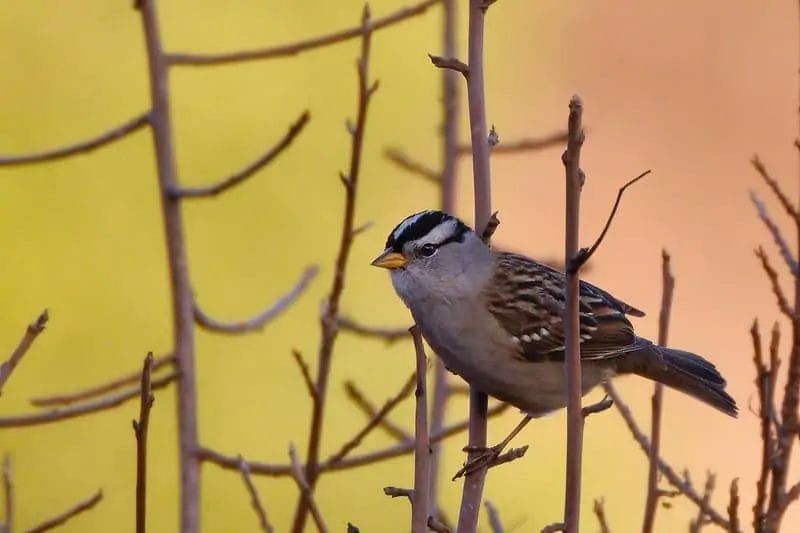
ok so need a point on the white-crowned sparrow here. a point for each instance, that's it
(495, 319)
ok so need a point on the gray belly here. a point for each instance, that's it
(495, 367)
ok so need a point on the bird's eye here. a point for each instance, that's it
(427, 250)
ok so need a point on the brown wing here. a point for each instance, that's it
(534, 318)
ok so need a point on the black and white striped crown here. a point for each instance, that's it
(435, 227)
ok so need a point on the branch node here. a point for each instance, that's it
(450, 63)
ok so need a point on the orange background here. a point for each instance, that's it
(689, 90)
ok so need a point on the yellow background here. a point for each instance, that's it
(687, 89)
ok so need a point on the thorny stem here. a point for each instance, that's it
(329, 320)
(182, 308)
(651, 504)
(482, 180)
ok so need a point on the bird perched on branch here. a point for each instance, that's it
(496, 320)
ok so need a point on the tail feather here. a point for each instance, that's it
(683, 371)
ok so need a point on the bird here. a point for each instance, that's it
(495, 318)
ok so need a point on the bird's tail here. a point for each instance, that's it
(684, 371)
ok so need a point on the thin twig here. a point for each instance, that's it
(697, 524)
(140, 430)
(238, 177)
(56, 521)
(420, 500)
(450, 63)
(291, 49)
(299, 476)
(8, 495)
(733, 505)
(33, 330)
(667, 290)
(494, 517)
(783, 303)
(482, 193)
(572, 351)
(374, 422)
(260, 320)
(357, 396)
(365, 459)
(99, 390)
(397, 492)
(557, 138)
(776, 188)
(404, 161)
(777, 235)
(554, 527)
(597, 407)
(81, 147)
(683, 485)
(329, 319)
(585, 254)
(491, 227)
(766, 374)
(255, 501)
(102, 404)
(388, 334)
(600, 513)
(306, 372)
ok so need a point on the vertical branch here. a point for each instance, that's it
(478, 402)
(330, 316)
(422, 483)
(572, 361)
(450, 99)
(8, 495)
(140, 429)
(651, 504)
(182, 308)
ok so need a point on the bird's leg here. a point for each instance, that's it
(485, 457)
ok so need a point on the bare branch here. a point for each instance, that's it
(450, 63)
(697, 524)
(305, 488)
(390, 334)
(572, 353)
(434, 524)
(531, 144)
(600, 513)
(99, 390)
(102, 404)
(553, 528)
(733, 505)
(397, 492)
(683, 485)
(374, 422)
(404, 161)
(773, 184)
(667, 290)
(491, 227)
(263, 318)
(307, 379)
(597, 407)
(777, 236)
(304, 45)
(33, 331)
(368, 458)
(494, 517)
(8, 493)
(783, 303)
(81, 147)
(140, 429)
(357, 397)
(584, 254)
(482, 193)
(255, 501)
(81, 507)
(329, 319)
(249, 170)
(420, 499)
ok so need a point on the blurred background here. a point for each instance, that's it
(688, 89)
